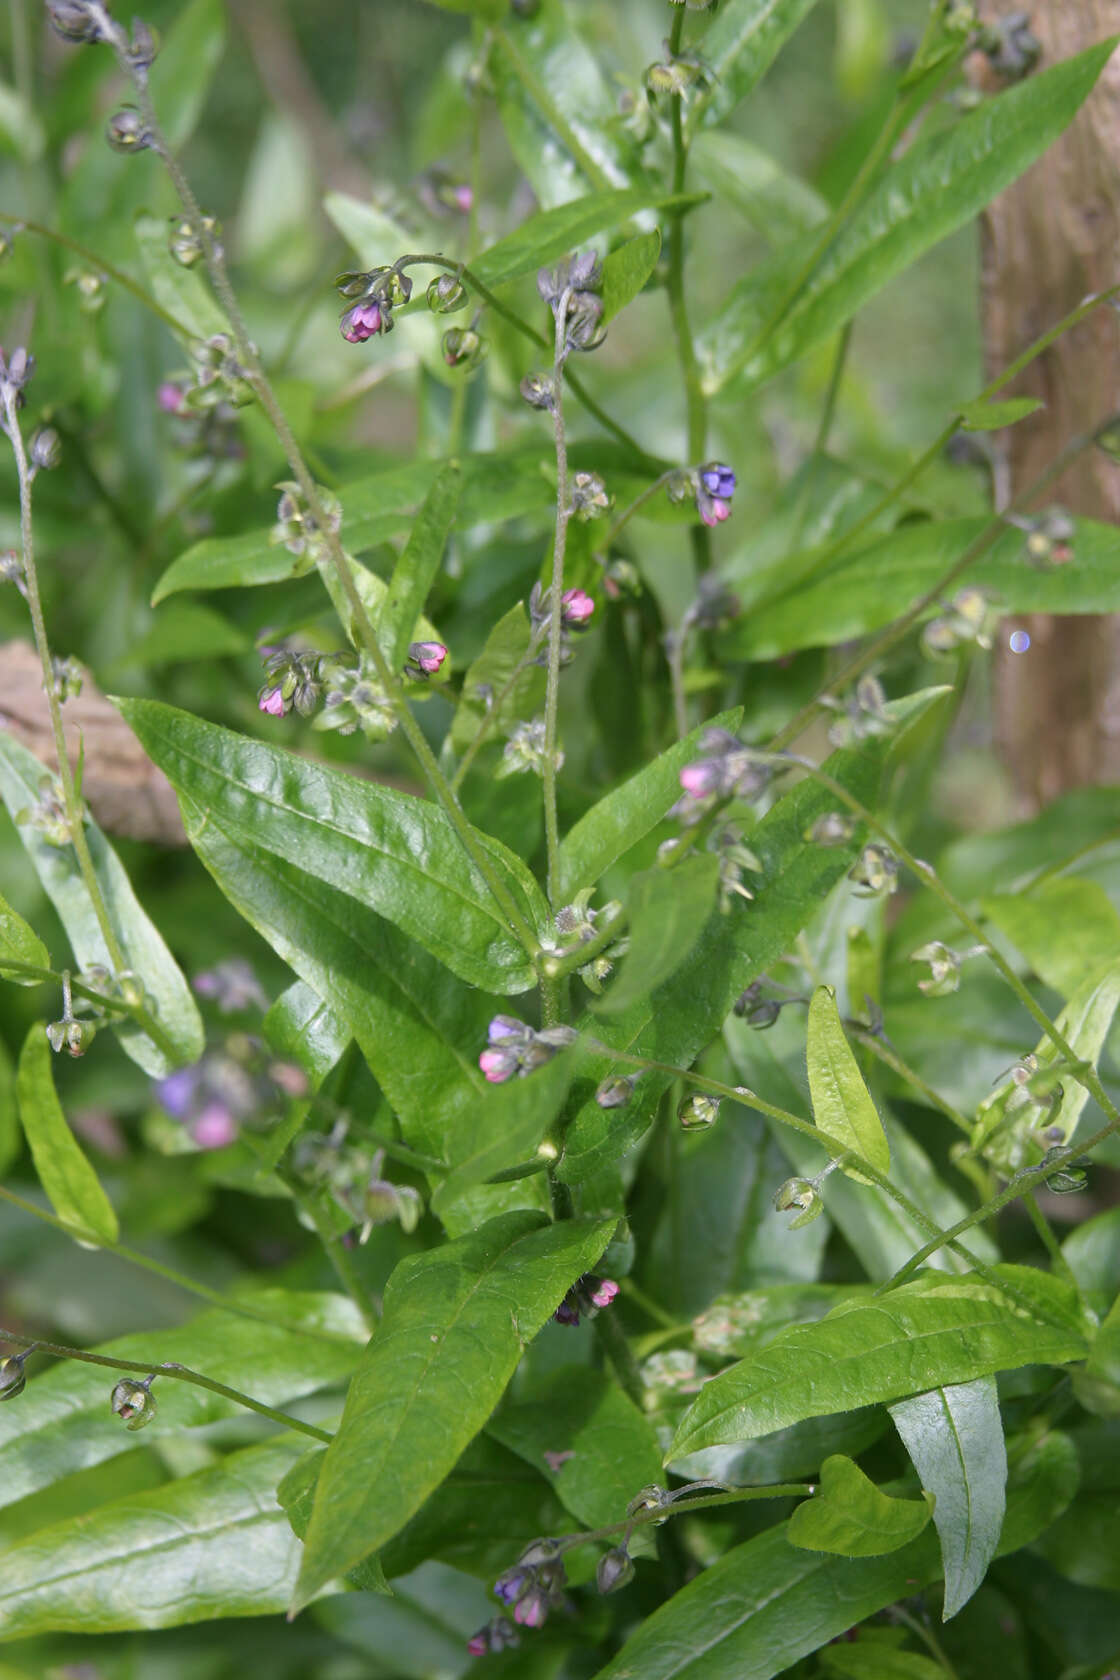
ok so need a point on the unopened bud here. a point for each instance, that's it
(72, 20)
(132, 1402)
(615, 1093)
(800, 1196)
(698, 1112)
(463, 347)
(75, 1037)
(446, 293)
(538, 390)
(44, 449)
(126, 131)
(13, 1381)
(834, 828)
(615, 1569)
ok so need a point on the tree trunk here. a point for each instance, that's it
(1048, 241)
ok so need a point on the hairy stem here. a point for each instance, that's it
(181, 1373)
(556, 590)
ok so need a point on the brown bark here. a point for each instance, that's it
(1048, 242)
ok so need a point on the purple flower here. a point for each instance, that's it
(576, 608)
(510, 1586)
(504, 1027)
(718, 480)
(567, 1312)
(587, 1296)
(271, 700)
(175, 1093)
(427, 656)
(365, 319)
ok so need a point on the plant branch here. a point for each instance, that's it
(181, 1373)
(556, 591)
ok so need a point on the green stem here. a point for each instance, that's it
(556, 591)
(552, 114)
(820, 443)
(254, 370)
(649, 1306)
(875, 650)
(1045, 1233)
(706, 1502)
(612, 1338)
(181, 1373)
(888, 1055)
(133, 1257)
(103, 267)
(697, 408)
(639, 501)
(71, 801)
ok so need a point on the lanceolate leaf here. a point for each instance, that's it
(779, 205)
(867, 590)
(955, 1440)
(144, 950)
(64, 1172)
(626, 271)
(923, 1335)
(508, 695)
(669, 909)
(455, 1323)
(740, 46)
(393, 852)
(940, 184)
(212, 1545)
(842, 1104)
(765, 1604)
(419, 563)
(551, 234)
(507, 1124)
(20, 943)
(64, 1423)
(853, 1517)
(1066, 928)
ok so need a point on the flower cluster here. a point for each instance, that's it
(711, 487)
(499, 1634)
(354, 1179)
(236, 1086)
(968, 617)
(293, 679)
(577, 608)
(675, 73)
(535, 1585)
(515, 1049)
(587, 1296)
(727, 770)
(862, 715)
(355, 699)
(48, 815)
(372, 296)
(571, 287)
(525, 750)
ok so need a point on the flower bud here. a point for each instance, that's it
(13, 1381)
(425, 658)
(801, 1196)
(876, 870)
(589, 496)
(126, 131)
(833, 828)
(186, 244)
(75, 1037)
(365, 320)
(143, 48)
(72, 20)
(538, 390)
(945, 969)
(615, 1093)
(44, 449)
(614, 1570)
(463, 347)
(698, 1112)
(446, 293)
(576, 608)
(133, 1403)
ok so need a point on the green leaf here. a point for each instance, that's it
(551, 234)
(185, 630)
(300, 1343)
(373, 593)
(955, 1440)
(740, 47)
(418, 564)
(70, 1183)
(10, 1136)
(391, 851)
(455, 1323)
(183, 292)
(610, 1445)
(507, 1125)
(765, 1604)
(299, 1024)
(188, 58)
(512, 698)
(1065, 927)
(22, 944)
(985, 416)
(842, 1104)
(212, 1545)
(879, 1662)
(779, 205)
(626, 271)
(940, 184)
(923, 1335)
(296, 1493)
(145, 953)
(627, 814)
(866, 590)
(1097, 1386)
(852, 1516)
(669, 910)
(787, 1455)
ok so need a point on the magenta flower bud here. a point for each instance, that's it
(576, 608)
(604, 1292)
(532, 1610)
(428, 656)
(364, 320)
(715, 511)
(478, 1644)
(215, 1127)
(701, 778)
(464, 199)
(170, 397)
(271, 700)
(497, 1066)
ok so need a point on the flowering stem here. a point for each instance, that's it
(71, 802)
(134, 1258)
(254, 371)
(674, 654)
(556, 615)
(875, 650)
(706, 1502)
(169, 1369)
(678, 303)
(888, 1055)
(47, 976)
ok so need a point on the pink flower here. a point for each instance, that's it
(170, 398)
(291, 1079)
(364, 320)
(428, 656)
(464, 199)
(715, 511)
(700, 779)
(271, 700)
(215, 1127)
(497, 1065)
(478, 1644)
(576, 607)
(604, 1293)
(532, 1610)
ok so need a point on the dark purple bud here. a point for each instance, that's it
(568, 1310)
(510, 1585)
(718, 480)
